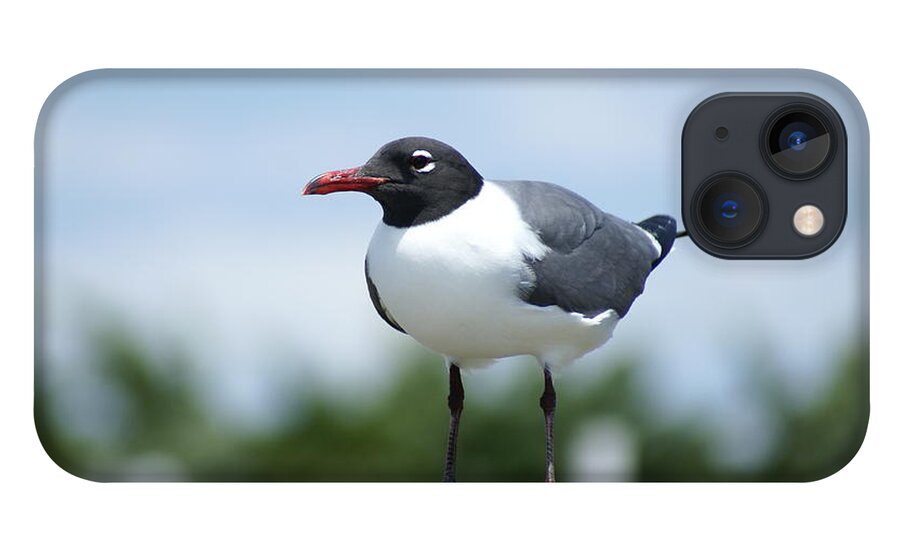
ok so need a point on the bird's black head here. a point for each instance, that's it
(415, 179)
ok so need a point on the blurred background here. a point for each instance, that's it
(199, 320)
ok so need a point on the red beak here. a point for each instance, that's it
(342, 179)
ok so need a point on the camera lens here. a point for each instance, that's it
(731, 209)
(798, 142)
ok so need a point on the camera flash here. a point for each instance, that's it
(809, 220)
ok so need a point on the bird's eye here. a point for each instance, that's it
(421, 161)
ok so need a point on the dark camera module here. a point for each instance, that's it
(731, 209)
(797, 142)
(743, 191)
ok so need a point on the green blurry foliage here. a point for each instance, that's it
(400, 434)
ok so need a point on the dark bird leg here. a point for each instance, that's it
(548, 404)
(455, 403)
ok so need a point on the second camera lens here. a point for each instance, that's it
(798, 142)
(731, 209)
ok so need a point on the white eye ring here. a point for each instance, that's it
(422, 154)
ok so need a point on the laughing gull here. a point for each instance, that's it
(478, 270)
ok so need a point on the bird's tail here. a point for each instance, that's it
(664, 229)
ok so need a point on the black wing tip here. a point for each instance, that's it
(376, 302)
(664, 229)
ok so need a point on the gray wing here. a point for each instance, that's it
(376, 301)
(596, 261)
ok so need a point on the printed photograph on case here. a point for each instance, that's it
(505, 292)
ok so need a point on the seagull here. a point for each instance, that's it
(478, 270)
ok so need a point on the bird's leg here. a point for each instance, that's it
(455, 403)
(548, 404)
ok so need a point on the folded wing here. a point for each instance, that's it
(596, 261)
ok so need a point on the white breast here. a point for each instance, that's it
(453, 284)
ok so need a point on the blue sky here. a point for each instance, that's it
(173, 202)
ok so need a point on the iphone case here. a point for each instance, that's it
(199, 319)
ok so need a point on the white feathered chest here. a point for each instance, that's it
(453, 284)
